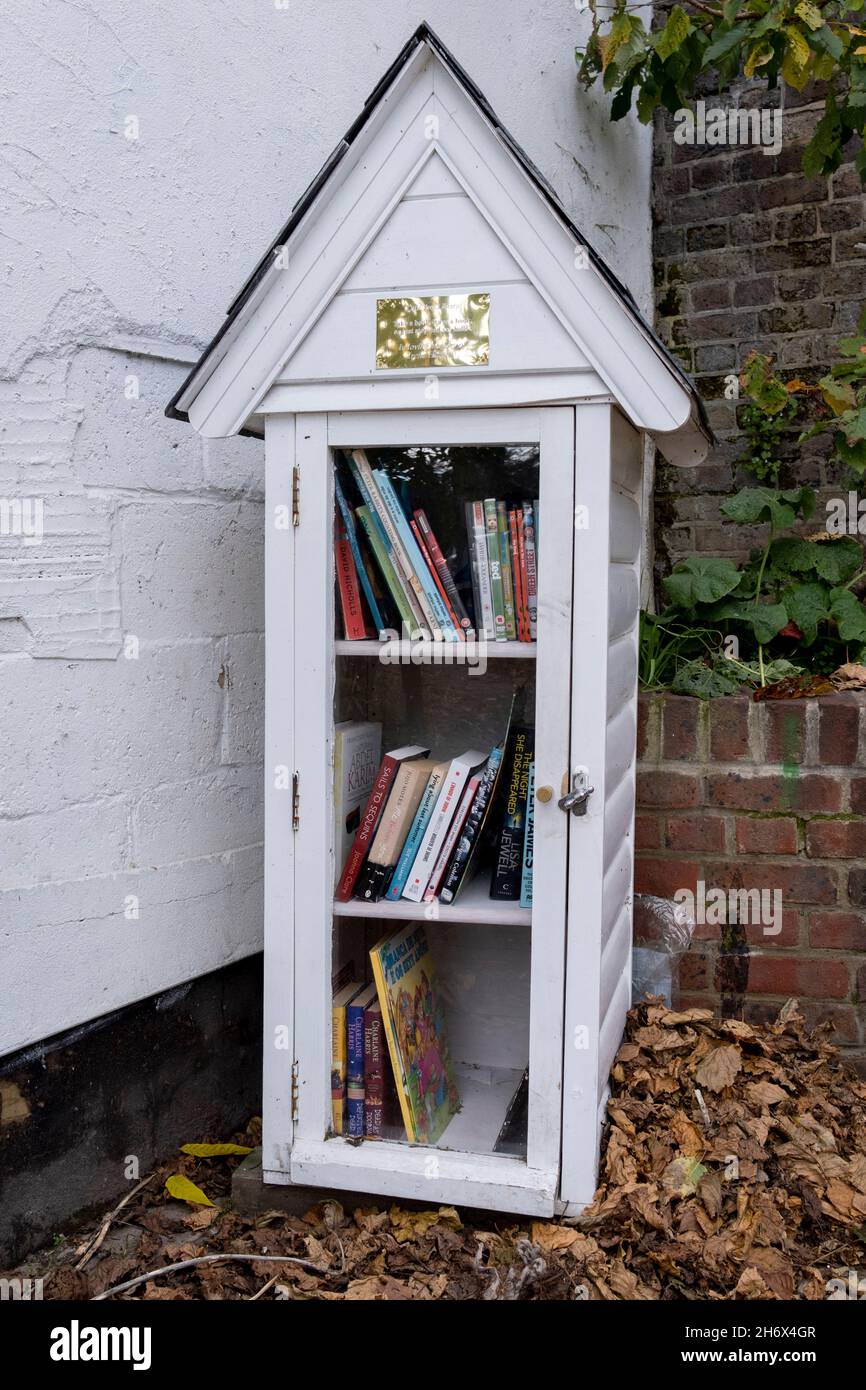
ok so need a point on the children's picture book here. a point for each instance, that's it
(413, 1017)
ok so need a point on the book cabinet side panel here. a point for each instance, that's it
(586, 832)
(313, 711)
(278, 1052)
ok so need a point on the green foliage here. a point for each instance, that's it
(793, 40)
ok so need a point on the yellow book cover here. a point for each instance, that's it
(339, 1053)
(413, 1018)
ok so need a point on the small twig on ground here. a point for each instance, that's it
(94, 1243)
(263, 1289)
(215, 1259)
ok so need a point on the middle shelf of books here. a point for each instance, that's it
(432, 927)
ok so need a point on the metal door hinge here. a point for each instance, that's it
(294, 1090)
(296, 801)
(296, 496)
(576, 800)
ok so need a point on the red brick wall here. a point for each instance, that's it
(762, 796)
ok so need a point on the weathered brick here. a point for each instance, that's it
(766, 835)
(729, 729)
(838, 931)
(695, 832)
(836, 839)
(758, 290)
(846, 1029)
(838, 730)
(708, 238)
(785, 731)
(694, 971)
(668, 789)
(680, 727)
(814, 976)
(857, 887)
(647, 832)
(713, 172)
(789, 936)
(810, 793)
(797, 881)
(664, 877)
(716, 295)
(858, 795)
(793, 257)
(789, 191)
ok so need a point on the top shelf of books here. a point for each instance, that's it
(421, 551)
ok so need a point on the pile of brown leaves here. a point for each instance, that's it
(734, 1166)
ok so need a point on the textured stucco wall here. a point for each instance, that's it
(130, 650)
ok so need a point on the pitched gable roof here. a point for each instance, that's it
(700, 435)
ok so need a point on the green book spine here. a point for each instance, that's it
(507, 576)
(389, 575)
(494, 564)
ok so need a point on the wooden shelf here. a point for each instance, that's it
(473, 905)
(496, 651)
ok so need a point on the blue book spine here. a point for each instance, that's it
(349, 523)
(413, 840)
(416, 559)
(368, 502)
(355, 1071)
(526, 876)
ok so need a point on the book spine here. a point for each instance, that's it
(404, 542)
(451, 839)
(478, 624)
(441, 566)
(431, 568)
(364, 835)
(507, 573)
(473, 824)
(355, 1071)
(523, 611)
(413, 839)
(526, 875)
(389, 1029)
(363, 475)
(494, 566)
(514, 546)
(349, 528)
(374, 1074)
(435, 832)
(338, 1068)
(354, 627)
(507, 870)
(383, 560)
(530, 534)
(479, 531)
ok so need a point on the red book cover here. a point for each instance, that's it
(518, 575)
(440, 565)
(425, 554)
(354, 626)
(374, 1071)
(524, 582)
(370, 819)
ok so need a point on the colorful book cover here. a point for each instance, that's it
(520, 563)
(507, 573)
(354, 1113)
(354, 625)
(416, 832)
(357, 753)
(374, 1070)
(456, 778)
(526, 875)
(389, 574)
(394, 825)
(429, 596)
(349, 530)
(494, 567)
(363, 475)
(508, 866)
(442, 569)
(370, 819)
(450, 841)
(339, 1054)
(434, 575)
(459, 870)
(413, 1017)
(481, 571)
(530, 540)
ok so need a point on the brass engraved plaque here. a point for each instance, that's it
(440, 330)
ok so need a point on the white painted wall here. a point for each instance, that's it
(131, 783)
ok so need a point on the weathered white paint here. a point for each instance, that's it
(140, 778)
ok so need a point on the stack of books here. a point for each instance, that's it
(392, 573)
(425, 819)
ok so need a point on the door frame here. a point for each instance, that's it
(399, 1169)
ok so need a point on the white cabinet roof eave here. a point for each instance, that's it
(427, 193)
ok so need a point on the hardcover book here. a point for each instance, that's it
(441, 564)
(413, 1017)
(354, 625)
(357, 751)
(370, 819)
(350, 533)
(339, 1054)
(494, 567)
(393, 828)
(508, 867)
(374, 1070)
(460, 869)
(456, 778)
(405, 543)
(450, 842)
(507, 573)
(355, 1010)
(477, 536)
(530, 540)
(416, 831)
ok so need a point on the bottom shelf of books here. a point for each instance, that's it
(433, 1049)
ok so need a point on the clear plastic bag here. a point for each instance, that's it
(663, 931)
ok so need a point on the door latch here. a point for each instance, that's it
(576, 800)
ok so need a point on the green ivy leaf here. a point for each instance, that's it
(700, 579)
(848, 613)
